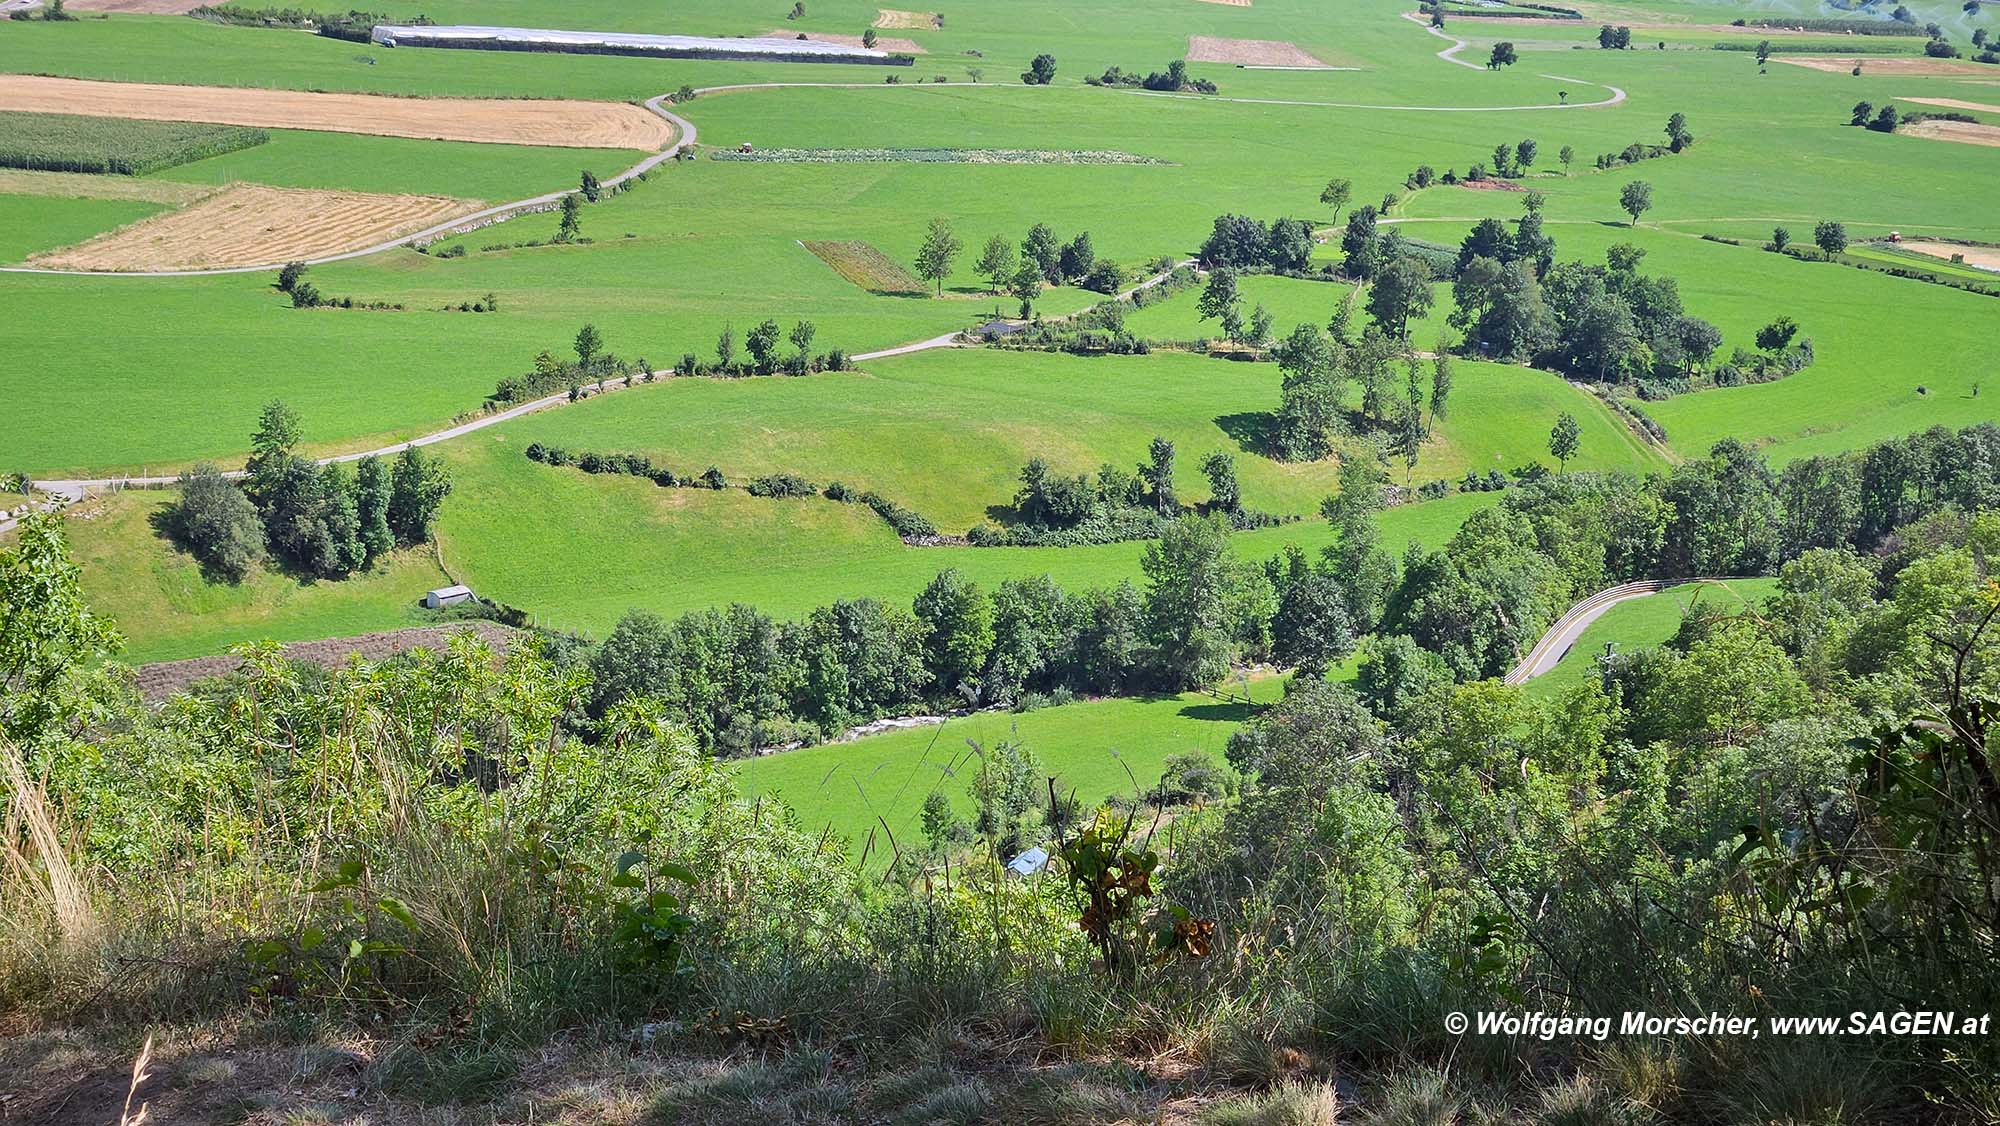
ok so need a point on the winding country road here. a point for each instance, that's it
(71, 490)
(1560, 637)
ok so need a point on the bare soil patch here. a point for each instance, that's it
(1985, 257)
(862, 265)
(254, 225)
(1876, 64)
(1231, 3)
(160, 680)
(568, 124)
(1953, 103)
(1492, 186)
(890, 43)
(1964, 132)
(89, 185)
(894, 19)
(1250, 52)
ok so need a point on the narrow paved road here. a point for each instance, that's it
(73, 489)
(1556, 643)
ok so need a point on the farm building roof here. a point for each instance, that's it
(469, 34)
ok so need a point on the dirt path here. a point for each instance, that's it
(1449, 54)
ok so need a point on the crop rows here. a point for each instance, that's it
(61, 142)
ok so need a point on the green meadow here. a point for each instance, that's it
(577, 552)
(1647, 622)
(134, 374)
(715, 243)
(1095, 749)
(947, 431)
(32, 224)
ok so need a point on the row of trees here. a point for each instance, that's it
(1043, 259)
(315, 519)
(1174, 79)
(1240, 242)
(1478, 602)
(740, 679)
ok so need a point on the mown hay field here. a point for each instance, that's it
(86, 185)
(256, 225)
(65, 142)
(515, 121)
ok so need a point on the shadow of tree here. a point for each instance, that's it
(1254, 432)
(1221, 712)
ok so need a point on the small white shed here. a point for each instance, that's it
(447, 596)
(1029, 862)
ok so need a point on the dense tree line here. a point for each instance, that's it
(1174, 79)
(1240, 242)
(1053, 509)
(318, 520)
(1479, 601)
(741, 679)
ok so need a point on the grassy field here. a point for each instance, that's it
(716, 242)
(946, 432)
(577, 552)
(167, 609)
(1096, 749)
(1646, 622)
(34, 223)
(1851, 396)
(147, 374)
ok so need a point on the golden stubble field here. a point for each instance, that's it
(513, 121)
(256, 225)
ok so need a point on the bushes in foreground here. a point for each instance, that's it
(1775, 814)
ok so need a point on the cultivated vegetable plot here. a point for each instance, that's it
(62, 142)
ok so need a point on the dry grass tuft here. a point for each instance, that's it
(42, 873)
